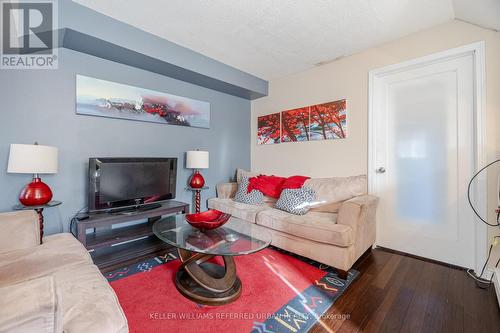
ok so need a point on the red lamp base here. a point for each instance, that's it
(197, 180)
(35, 193)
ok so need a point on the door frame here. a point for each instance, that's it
(479, 192)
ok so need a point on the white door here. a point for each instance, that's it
(422, 157)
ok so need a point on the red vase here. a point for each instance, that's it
(197, 180)
(35, 193)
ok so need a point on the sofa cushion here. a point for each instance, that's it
(240, 173)
(319, 227)
(329, 207)
(57, 251)
(236, 209)
(335, 190)
(30, 306)
(88, 302)
(254, 197)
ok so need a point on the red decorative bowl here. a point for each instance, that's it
(210, 219)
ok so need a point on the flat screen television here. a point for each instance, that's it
(128, 183)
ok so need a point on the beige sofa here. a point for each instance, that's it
(52, 287)
(336, 233)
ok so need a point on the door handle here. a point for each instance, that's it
(381, 170)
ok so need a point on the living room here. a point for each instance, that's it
(250, 166)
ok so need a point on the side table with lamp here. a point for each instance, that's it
(197, 196)
(34, 159)
(39, 210)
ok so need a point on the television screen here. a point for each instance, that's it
(123, 182)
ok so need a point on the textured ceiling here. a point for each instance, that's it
(274, 38)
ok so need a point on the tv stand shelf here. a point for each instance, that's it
(110, 247)
(110, 237)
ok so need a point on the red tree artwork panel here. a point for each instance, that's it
(268, 129)
(328, 121)
(295, 125)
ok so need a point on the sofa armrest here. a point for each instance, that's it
(226, 190)
(20, 230)
(358, 211)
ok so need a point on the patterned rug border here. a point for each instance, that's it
(296, 316)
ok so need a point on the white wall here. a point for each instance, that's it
(348, 78)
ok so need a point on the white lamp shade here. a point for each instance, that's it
(197, 159)
(32, 159)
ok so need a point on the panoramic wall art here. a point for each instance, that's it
(324, 121)
(269, 129)
(102, 98)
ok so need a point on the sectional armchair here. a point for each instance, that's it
(53, 286)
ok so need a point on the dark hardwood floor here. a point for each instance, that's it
(398, 293)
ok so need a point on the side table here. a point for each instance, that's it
(197, 196)
(39, 211)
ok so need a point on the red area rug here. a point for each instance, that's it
(273, 283)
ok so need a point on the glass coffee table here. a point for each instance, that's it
(199, 279)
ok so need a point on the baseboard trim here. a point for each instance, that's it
(421, 258)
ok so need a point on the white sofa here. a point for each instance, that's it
(336, 236)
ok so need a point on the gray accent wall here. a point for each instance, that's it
(39, 105)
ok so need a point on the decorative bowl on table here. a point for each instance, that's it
(208, 220)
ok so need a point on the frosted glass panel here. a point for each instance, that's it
(424, 138)
(423, 125)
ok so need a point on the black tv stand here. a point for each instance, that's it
(132, 210)
(113, 248)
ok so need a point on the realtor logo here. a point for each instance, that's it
(29, 34)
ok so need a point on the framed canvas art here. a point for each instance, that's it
(295, 125)
(269, 129)
(328, 121)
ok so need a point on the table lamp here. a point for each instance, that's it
(34, 159)
(197, 159)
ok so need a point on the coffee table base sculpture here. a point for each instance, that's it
(200, 279)
(205, 282)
